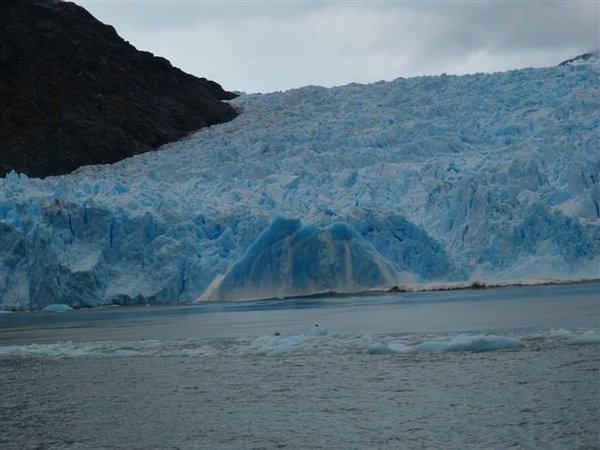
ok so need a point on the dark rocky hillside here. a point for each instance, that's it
(72, 92)
(585, 58)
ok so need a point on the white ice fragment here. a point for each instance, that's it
(461, 343)
(57, 307)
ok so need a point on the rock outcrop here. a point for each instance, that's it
(72, 92)
(585, 58)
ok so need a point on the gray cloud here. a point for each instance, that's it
(271, 45)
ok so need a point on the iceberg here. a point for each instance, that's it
(278, 343)
(488, 177)
(461, 343)
(57, 307)
(589, 338)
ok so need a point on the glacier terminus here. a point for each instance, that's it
(487, 177)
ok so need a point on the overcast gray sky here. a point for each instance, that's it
(265, 46)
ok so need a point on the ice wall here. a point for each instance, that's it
(487, 176)
(291, 259)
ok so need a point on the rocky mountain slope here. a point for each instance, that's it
(589, 58)
(72, 92)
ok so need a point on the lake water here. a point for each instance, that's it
(472, 369)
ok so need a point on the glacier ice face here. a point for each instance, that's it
(487, 176)
(290, 259)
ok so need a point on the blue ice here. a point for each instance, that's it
(492, 177)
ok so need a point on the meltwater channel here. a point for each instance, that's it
(471, 369)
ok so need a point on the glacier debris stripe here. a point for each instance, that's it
(447, 178)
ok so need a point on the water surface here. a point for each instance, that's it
(379, 371)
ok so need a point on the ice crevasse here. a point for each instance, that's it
(448, 178)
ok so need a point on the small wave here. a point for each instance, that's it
(314, 341)
(383, 349)
(560, 333)
(73, 350)
(462, 343)
(109, 349)
(482, 284)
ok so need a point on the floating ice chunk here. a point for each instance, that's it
(55, 350)
(560, 333)
(57, 307)
(570, 337)
(382, 349)
(587, 338)
(286, 342)
(462, 343)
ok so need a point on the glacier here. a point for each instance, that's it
(487, 177)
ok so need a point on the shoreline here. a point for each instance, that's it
(478, 284)
(408, 288)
